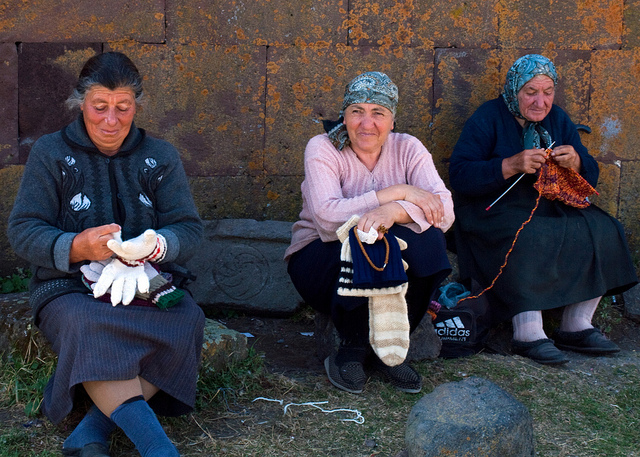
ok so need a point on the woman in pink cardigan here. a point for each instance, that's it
(361, 168)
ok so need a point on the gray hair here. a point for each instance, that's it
(112, 70)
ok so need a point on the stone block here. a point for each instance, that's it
(463, 81)
(571, 24)
(8, 104)
(608, 187)
(239, 266)
(17, 331)
(222, 346)
(208, 101)
(259, 22)
(632, 303)
(456, 24)
(613, 107)
(10, 178)
(380, 23)
(470, 418)
(424, 343)
(306, 85)
(631, 20)
(82, 20)
(629, 205)
(48, 74)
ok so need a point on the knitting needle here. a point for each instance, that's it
(547, 151)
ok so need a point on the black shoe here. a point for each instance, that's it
(89, 450)
(403, 377)
(349, 376)
(542, 351)
(589, 341)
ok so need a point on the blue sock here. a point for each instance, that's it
(94, 428)
(138, 421)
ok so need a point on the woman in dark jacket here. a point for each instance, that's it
(565, 256)
(99, 181)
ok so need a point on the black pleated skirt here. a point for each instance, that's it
(564, 255)
(98, 342)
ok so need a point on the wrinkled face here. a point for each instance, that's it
(108, 115)
(368, 126)
(535, 98)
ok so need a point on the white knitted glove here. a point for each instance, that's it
(123, 280)
(147, 246)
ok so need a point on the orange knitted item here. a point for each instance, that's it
(554, 183)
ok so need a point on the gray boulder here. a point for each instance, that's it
(470, 418)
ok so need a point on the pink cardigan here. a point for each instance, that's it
(337, 186)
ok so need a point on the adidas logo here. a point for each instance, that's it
(452, 329)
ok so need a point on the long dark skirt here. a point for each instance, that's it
(564, 255)
(315, 269)
(98, 342)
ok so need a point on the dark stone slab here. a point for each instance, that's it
(48, 74)
(10, 178)
(8, 104)
(81, 21)
(240, 266)
(264, 23)
(632, 303)
(469, 418)
(570, 24)
(306, 85)
(208, 101)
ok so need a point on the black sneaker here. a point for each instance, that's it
(403, 377)
(349, 376)
(89, 450)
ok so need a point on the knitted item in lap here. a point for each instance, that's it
(388, 316)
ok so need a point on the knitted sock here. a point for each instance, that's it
(389, 327)
(527, 326)
(95, 427)
(138, 421)
(577, 317)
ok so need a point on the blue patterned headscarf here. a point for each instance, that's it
(521, 72)
(370, 87)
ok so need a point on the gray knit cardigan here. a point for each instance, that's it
(68, 186)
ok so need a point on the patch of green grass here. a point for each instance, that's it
(23, 379)
(239, 378)
(17, 282)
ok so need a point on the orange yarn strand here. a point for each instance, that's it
(508, 252)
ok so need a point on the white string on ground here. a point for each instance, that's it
(358, 419)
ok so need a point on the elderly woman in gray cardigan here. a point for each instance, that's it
(134, 343)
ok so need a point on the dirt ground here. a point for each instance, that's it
(289, 347)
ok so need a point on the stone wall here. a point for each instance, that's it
(240, 86)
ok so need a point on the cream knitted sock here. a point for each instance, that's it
(577, 317)
(527, 326)
(389, 327)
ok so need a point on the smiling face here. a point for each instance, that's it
(368, 126)
(108, 115)
(535, 98)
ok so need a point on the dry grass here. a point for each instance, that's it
(591, 407)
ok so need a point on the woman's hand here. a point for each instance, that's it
(91, 244)
(567, 157)
(430, 204)
(528, 161)
(383, 216)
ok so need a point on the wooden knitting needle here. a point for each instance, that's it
(547, 151)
